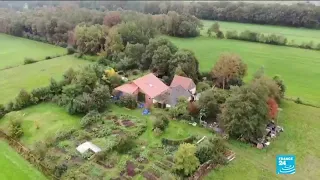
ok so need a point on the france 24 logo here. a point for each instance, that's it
(286, 164)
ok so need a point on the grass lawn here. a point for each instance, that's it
(13, 50)
(299, 35)
(298, 67)
(300, 138)
(49, 117)
(34, 75)
(14, 167)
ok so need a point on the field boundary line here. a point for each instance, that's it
(27, 155)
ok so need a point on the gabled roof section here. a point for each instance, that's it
(151, 85)
(127, 88)
(185, 82)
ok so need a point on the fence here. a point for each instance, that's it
(28, 155)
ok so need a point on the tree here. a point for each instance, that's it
(90, 39)
(187, 62)
(15, 128)
(160, 60)
(209, 104)
(185, 160)
(112, 18)
(273, 108)
(134, 53)
(245, 112)
(215, 27)
(280, 84)
(273, 90)
(202, 86)
(24, 99)
(228, 67)
(153, 45)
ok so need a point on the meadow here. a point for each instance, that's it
(298, 35)
(13, 50)
(34, 75)
(13, 166)
(298, 67)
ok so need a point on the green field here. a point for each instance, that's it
(299, 35)
(298, 67)
(14, 167)
(13, 50)
(50, 119)
(34, 75)
(300, 138)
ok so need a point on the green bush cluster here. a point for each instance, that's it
(15, 128)
(128, 101)
(257, 37)
(90, 118)
(211, 148)
(29, 61)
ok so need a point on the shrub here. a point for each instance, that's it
(48, 57)
(63, 135)
(29, 61)
(70, 50)
(249, 36)
(2, 111)
(24, 99)
(41, 94)
(298, 101)
(135, 72)
(60, 169)
(202, 86)
(9, 106)
(232, 35)
(90, 118)
(157, 131)
(185, 160)
(212, 148)
(128, 101)
(15, 128)
(220, 35)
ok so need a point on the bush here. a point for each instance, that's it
(29, 61)
(157, 132)
(48, 57)
(41, 94)
(70, 50)
(220, 35)
(90, 118)
(2, 111)
(15, 129)
(135, 72)
(249, 36)
(24, 99)
(161, 122)
(128, 101)
(202, 86)
(298, 101)
(212, 148)
(232, 35)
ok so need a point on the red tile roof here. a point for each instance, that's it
(185, 82)
(127, 88)
(151, 85)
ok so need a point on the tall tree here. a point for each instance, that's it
(228, 67)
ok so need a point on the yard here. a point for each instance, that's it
(13, 166)
(15, 49)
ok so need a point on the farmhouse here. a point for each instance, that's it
(150, 89)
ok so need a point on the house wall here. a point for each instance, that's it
(193, 90)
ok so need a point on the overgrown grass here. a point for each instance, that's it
(34, 75)
(298, 67)
(41, 121)
(300, 138)
(13, 50)
(299, 35)
(13, 166)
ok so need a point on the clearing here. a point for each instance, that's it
(299, 35)
(34, 75)
(13, 50)
(15, 167)
(298, 67)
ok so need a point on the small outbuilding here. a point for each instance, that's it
(84, 147)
